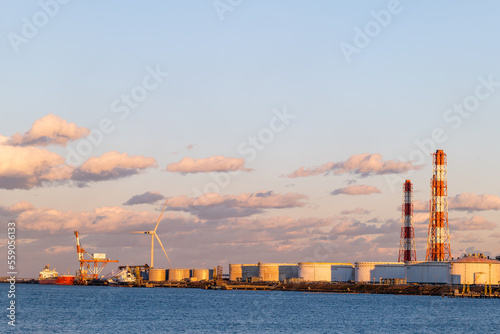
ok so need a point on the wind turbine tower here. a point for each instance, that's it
(153, 236)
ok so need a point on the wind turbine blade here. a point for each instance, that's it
(142, 232)
(161, 215)
(159, 241)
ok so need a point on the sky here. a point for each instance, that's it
(278, 131)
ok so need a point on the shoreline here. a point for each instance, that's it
(317, 287)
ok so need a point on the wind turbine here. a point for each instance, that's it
(153, 235)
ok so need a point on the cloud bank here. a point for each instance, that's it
(361, 164)
(216, 206)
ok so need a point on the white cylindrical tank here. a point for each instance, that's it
(342, 272)
(269, 272)
(315, 271)
(157, 275)
(200, 274)
(249, 270)
(475, 270)
(276, 272)
(176, 275)
(432, 272)
(235, 272)
(374, 272)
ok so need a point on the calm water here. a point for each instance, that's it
(75, 309)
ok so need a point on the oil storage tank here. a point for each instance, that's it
(475, 269)
(176, 275)
(315, 271)
(157, 275)
(201, 274)
(342, 272)
(430, 272)
(276, 272)
(269, 272)
(374, 272)
(235, 272)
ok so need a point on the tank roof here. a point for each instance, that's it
(473, 259)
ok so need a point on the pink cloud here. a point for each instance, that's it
(362, 164)
(148, 197)
(15, 209)
(217, 206)
(356, 211)
(101, 220)
(473, 202)
(470, 224)
(27, 167)
(356, 190)
(111, 165)
(50, 130)
(60, 249)
(421, 206)
(212, 164)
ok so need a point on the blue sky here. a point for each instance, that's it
(225, 80)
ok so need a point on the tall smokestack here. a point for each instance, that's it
(407, 251)
(438, 242)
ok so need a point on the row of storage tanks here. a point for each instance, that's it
(472, 269)
(177, 275)
(308, 271)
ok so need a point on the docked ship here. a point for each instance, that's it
(52, 277)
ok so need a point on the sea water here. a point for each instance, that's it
(89, 309)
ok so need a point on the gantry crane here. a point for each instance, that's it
(90, 268)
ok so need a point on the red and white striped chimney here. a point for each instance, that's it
(407, 250)
(438, 241)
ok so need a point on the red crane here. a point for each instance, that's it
(92, 267)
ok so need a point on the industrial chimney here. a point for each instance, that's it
(438, 241)
(407, 251)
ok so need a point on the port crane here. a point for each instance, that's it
(91, 267)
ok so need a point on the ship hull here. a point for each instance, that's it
(61, 280)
